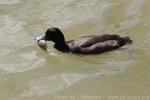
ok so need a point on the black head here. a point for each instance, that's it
(53, 34)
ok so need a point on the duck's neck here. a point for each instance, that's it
(61, 46)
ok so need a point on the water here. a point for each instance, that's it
(28, 73)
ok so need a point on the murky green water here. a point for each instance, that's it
(27, 73)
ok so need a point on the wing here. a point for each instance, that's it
(99, 47)
(90, 40)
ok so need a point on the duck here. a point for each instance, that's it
(91, 44)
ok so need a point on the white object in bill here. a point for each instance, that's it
(42, 44)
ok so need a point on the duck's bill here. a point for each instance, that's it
(41, 42)
(42, 37)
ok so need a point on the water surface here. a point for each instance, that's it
(28, 73)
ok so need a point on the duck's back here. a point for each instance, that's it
(94, 44)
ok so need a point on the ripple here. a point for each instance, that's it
(20, 62)
(34, 29)
(52, 84)
(3, 2)
(134, 7)
(6, 51)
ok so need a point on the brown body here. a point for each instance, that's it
(93, 44)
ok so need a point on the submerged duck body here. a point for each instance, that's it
(92, 44)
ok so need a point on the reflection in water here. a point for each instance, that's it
(51, 84)
(6, 51)
(27, 73)
(12, 42)
(134, 7)
(3, 2)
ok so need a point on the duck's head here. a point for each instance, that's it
(52, 34)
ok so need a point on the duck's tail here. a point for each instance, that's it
(125, 40)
